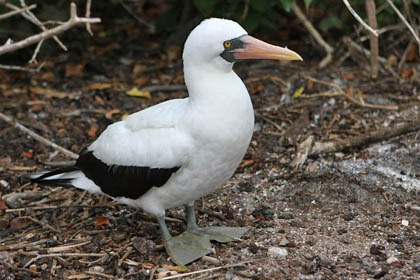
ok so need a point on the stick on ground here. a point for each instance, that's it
(37, 137)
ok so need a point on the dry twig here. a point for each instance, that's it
(210, 269)
(359, 19)
(18, 11)
(37, 137)
(87, 15)
(63, 255)
(404, 21)
(365, 139)
(73, 21)
(360, 103)
(318, 38)
(371, 11)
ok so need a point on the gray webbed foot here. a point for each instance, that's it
(188, 247)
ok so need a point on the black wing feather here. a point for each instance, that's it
(120, 180)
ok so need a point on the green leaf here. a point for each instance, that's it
(287, 4)
(261, 5)
(330, 22)
(206, 7)
(251, 22)
(308, 3)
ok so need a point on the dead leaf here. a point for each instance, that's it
(246, 163)
(27, 154)
(47, 76)
(142, 81)
(92, 131)
(100, 100)
(95, 86)
(20, 223)
(100, 221)
(109, 114)
(412, 53)
(5, 162)
(257, 89)
(138, 93)
(74, 70)
(124, 116)
(137, 69)
(177, 268)
(347, 76)
(173, 53)
(179, 79)
(103, 50)
(52, 93)
(408, 74)
(3, 204)
(298, 92)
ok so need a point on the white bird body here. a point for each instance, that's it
(180, 150)
(207, 137)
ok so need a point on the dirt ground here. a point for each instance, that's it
(347, 214)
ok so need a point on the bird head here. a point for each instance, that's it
(221, 42)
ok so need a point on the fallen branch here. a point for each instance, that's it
(210, 269)
(360, 103)
(20, 68)
(359, 19)
(63, 255)
(73, 21)
(37, 136)
(165, 88)
(318, 38)
(365, 139)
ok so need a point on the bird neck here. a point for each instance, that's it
(209, 83)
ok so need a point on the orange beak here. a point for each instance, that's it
(257, 49)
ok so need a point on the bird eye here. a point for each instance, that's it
(227, 44)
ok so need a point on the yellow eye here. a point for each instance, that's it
(228, 44)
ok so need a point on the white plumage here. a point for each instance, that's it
(203, 137)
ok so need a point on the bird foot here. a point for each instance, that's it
(188, 247)
(194, 244)
(222, 234)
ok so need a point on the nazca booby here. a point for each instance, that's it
(178, 151)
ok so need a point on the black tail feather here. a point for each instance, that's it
(43, 178)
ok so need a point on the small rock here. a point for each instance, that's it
(376, 249)
(404, 223)
(284, 242)
(277, 252)
(97, 268)
(163, 274)
(391, 260)
(380, 274)
(4, 183)
(210, 260)
(416, 268)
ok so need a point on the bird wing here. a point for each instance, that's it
(149, 138)
(140, 152)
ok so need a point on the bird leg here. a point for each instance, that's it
(186, 247)
(219, 234)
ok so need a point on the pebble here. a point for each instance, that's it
(277, 252)
(404, 223)
(97, 268)
(391, 260)
(416, 267)
(210, 260)
(163, 274)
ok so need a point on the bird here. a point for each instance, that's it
(178, 151)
